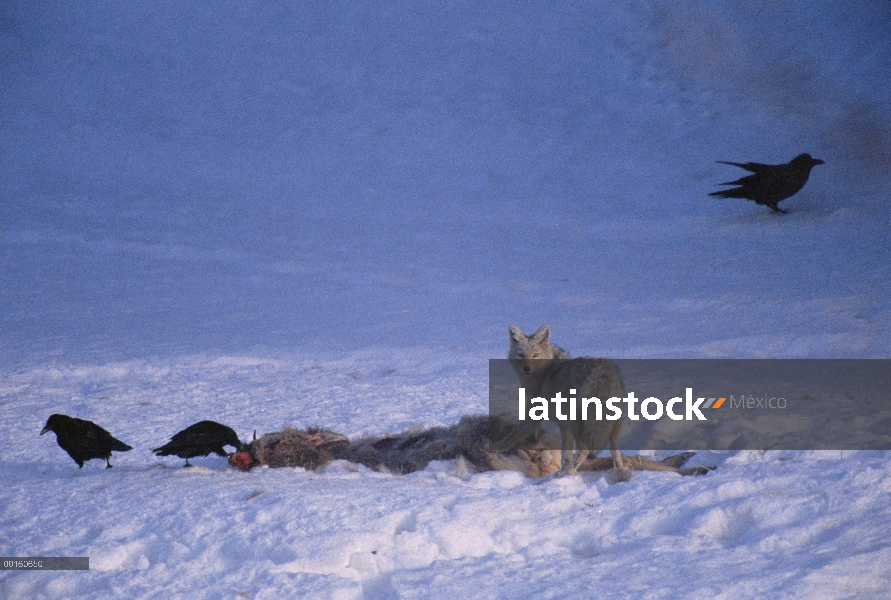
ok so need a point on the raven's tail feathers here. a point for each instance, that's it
(734, 193)
(119, 445)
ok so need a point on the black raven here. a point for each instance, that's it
(200, 439)
(83, 440)
(770, 183)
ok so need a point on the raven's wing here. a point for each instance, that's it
(98, 437)
(748, 180)
(184, 442)
(201, 441)
(749, 166)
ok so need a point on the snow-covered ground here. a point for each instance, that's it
(276, 213)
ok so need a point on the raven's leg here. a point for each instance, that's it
(187, 463)
(107, 463)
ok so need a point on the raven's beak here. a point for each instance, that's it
(45, 429)
(817, 161)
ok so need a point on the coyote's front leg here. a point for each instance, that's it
(570, 461)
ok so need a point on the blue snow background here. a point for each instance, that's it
(278, 213)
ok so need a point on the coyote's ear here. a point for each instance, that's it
(515, 333)
(543, 335)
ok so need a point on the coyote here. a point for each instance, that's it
(545, 369)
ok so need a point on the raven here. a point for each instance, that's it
(83, 440)
(770, 183)
(200, 439)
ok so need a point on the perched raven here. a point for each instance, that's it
(83, 440)
(200, 439)
(770, 183)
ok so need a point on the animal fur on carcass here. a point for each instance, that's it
(413, 450)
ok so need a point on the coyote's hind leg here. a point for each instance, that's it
(623, 472)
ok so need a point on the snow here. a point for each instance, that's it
(281, 214)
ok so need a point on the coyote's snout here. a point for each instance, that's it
(545, 369)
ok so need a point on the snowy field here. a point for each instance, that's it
(281, 213)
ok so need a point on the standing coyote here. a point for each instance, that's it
(545, 369)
